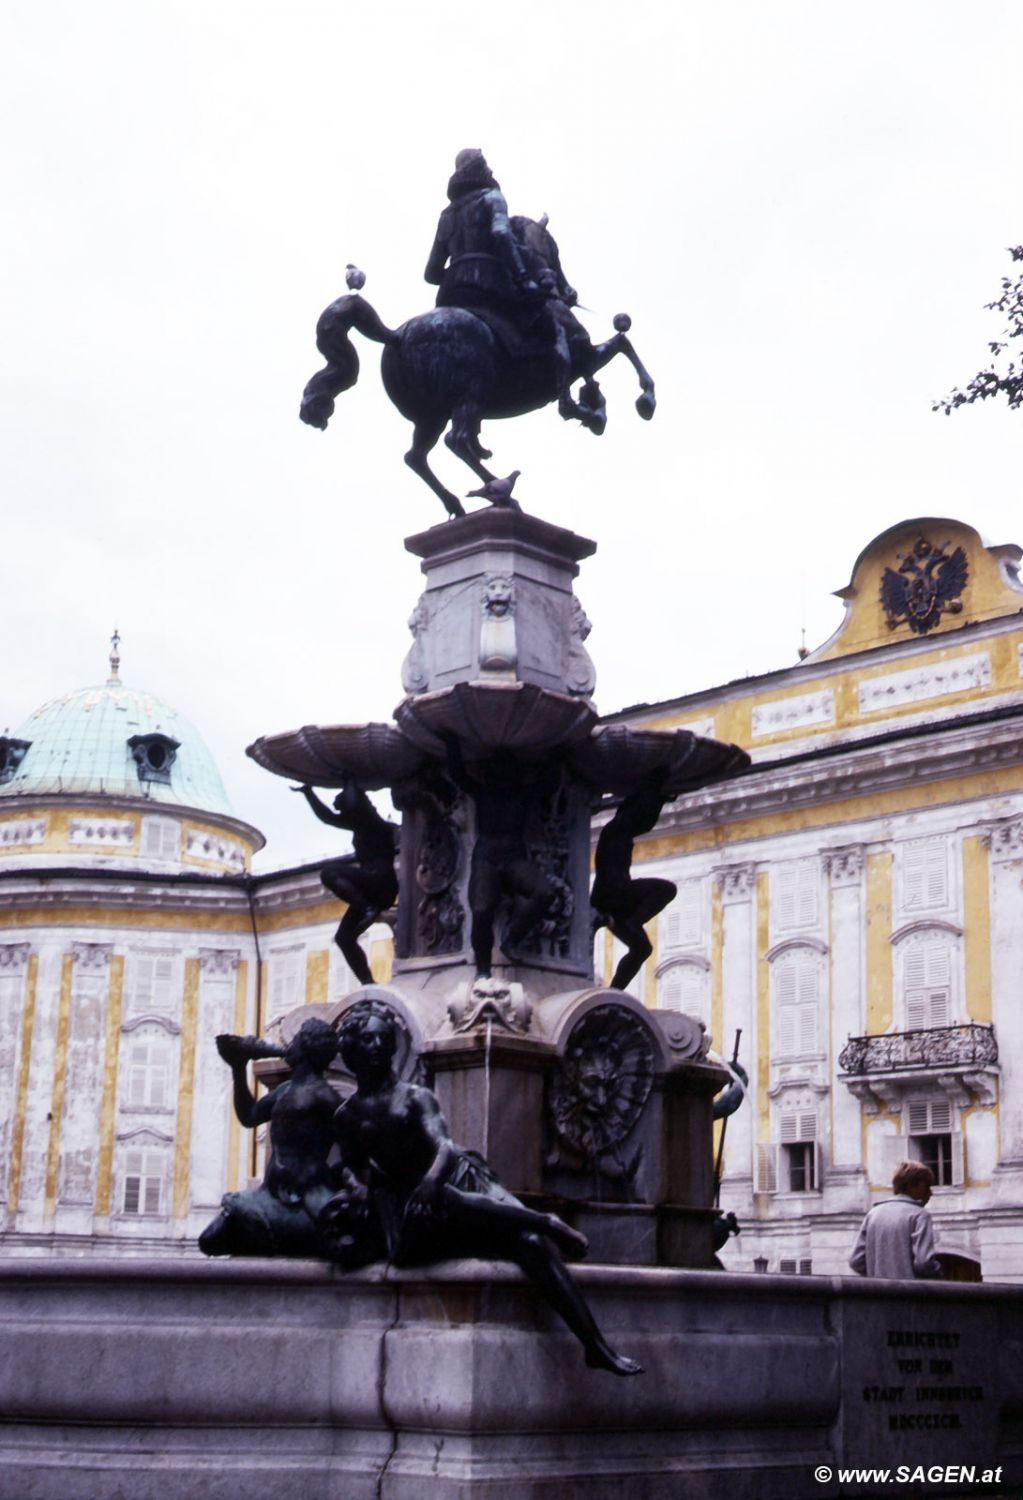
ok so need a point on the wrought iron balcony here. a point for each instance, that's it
(967, 1046)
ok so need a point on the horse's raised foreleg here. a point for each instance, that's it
(619, 344)
(424, 438)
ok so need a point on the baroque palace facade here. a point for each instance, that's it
(853, 905)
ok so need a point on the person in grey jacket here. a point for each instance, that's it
(896, 1239)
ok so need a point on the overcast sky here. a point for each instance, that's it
(803, 206)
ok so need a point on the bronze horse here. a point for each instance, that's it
(455, 367)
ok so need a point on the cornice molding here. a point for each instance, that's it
(856, 772)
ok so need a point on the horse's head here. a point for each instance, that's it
(542, 256)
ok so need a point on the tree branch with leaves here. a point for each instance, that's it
(993, 382)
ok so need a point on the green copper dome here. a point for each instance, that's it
(115, 741)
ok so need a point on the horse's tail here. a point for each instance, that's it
(342, 368)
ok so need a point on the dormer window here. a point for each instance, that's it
(153, 755)
(12, 753)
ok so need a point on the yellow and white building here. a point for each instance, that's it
(854, 905)
(132, 931)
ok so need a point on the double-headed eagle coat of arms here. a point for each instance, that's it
(929, 582)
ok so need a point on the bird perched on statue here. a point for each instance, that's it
(498, 491)
(354, 278)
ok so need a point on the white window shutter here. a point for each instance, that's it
(158, 1076)
(153, 1181)
(918, 1116)
(925, 875)
(807, 882)
(796, 994)
(795, 895)
(767, 1168)
(671, 927)
(913, 877)
(807, 1029)
(787, 1031)
(690, 897)
(669, 990)
(785, 896)
(927, 983)
(816, 1163)
(936, 878)
(161, 838)
(788, 1129)
(163, 985)
(958, 1168)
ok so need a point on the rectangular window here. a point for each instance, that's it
(285, 982)
(143, 1179)
(152, 987)
(796, 980)
(925, 875)
(934, 1141)
(797, 1135)
(681, 924)
(147, 1073)
(795, 888)
(161, 838)
(801, 1161)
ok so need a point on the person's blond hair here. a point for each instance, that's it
(911, 1174)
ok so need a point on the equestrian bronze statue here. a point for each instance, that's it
(502, 340)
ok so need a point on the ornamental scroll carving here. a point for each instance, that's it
(1005, 840)
(845, 866)
(737, 882)
(218, 963)
(92, 956)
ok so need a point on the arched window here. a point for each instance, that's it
(796, 995)
(685, 986)
(927, 976)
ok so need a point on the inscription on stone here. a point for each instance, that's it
(917, 1389)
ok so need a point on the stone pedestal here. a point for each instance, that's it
(167, 1381)
(491, 1088)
